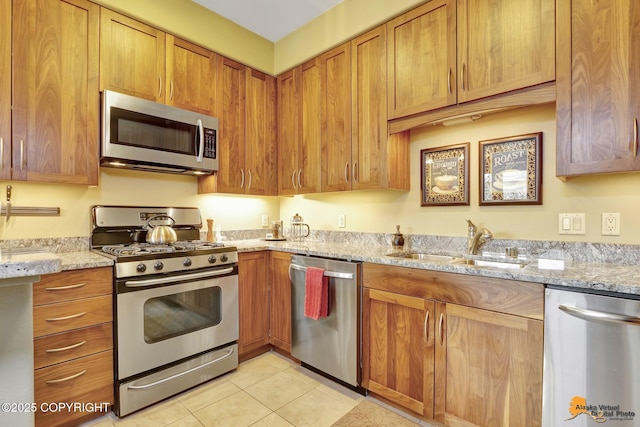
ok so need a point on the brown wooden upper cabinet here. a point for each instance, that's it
(132, 57)
(5, 90)
(598, 82)
(299, 129)
(55, 117)
(447, 52)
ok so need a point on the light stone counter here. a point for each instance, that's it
(583, 276)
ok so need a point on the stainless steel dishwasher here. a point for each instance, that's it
(591, 350)
(330, 345)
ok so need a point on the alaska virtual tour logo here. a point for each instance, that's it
(600, 413)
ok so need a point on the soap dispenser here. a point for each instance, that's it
(398, 239)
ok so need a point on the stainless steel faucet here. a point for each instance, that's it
(475, 239)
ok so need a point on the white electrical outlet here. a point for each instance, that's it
(610, 224)
(342, 221)
(265, 220)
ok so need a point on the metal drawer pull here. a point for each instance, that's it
(188, 371)
(440, 328)
(71, 347)
(67, 378)
(599, 316)
(62, 288)
(73, 316)
(635, 138)
(327, 273)
(426, 325)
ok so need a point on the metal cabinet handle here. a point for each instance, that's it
(346, 171)
(293, 179)
(199, 141)
(1, 152)
(635, 138)
(462, 72)
(159, 86)
(67, 378)
(449, 81)
(71, 347)
(599, 316)
(440, 328)
(171, 90)
(21, 154)
(355, 171)
(242, 178)
(250, 179)
(299, 179)
(73, 316)
(426, 325)
(62, 288)
(179, 374)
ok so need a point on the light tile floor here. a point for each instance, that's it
(267, 391)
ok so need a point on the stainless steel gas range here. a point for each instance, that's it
(175, 304)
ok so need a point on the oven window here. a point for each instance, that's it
(178, 314)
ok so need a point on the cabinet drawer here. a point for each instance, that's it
(66, 346)
(88, 379)
(65, 316)
(73, 284)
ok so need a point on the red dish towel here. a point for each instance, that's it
(316, 295)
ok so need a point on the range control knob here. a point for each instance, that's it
(141, 268)
(212, 259)
(158, 265)
(224, 258)
(187, 262)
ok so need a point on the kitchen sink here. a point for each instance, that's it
(504, 264)
(425, 257)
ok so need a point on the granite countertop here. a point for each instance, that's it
(599, 276)
(22, 263)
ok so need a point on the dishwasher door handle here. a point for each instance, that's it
(599, 316)
(328, 273)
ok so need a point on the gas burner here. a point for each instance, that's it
(136, 249)
(195, 245)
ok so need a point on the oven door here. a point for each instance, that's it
(160, 323)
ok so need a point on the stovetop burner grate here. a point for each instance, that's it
(123, 250)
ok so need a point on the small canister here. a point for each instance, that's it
(398, 239)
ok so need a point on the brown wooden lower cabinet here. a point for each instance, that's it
(463, 350)
(253, 296)
(280, 301)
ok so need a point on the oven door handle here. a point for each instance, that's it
(171, 279)
(178, 375)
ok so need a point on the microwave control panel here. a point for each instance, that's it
(210, 143)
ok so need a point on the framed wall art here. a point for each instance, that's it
(444, 175)
(511, 170)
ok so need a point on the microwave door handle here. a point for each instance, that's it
(200, 139)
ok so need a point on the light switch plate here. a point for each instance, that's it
(572, 223)
(342, 221)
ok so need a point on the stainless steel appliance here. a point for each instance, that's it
(145, 135)
(591, 370)
(175, 305)
(331, 345)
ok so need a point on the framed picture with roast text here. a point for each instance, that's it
(511, 170)
(445, 175)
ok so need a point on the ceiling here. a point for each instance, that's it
(271, 19)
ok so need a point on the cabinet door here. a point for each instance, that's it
(132, 57)
(5, 90)
(253, 287)
(398, 345)
(308, 176)
(260, 137)
(280, 301)
(231, 177)
(489, 369)
(422, 59)
(504, 45)
(191, 76)
(336, 119)
(598, 82)
(288, 130)
(379, 160)
(56, 98)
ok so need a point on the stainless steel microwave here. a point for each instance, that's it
(145, 135)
